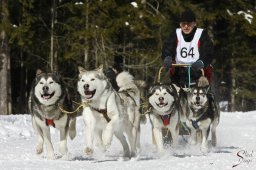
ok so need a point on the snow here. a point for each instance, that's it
(235, 134)
(134, 4)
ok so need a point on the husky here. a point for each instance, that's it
(164, 113)
(203, 115)
(48, 97)
(107, 112)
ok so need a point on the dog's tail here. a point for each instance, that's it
(203, 82)
(125, 79)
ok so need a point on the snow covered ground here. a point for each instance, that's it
(236, 136)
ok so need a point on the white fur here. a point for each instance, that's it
(158, 110)
(46, 111)
(95, 124)
(53, 88)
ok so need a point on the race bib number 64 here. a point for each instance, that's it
(184, 52)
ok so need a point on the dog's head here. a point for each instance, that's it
(91, 84)
(162, 98)
(48, 87)
(197, 97)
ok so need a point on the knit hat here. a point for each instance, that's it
(188, 16)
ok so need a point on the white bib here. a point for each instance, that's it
(187, 52)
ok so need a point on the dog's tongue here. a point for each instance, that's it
(46, 96)
(88, 94)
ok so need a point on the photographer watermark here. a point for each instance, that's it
(244, 157)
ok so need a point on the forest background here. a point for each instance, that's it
(59, 35)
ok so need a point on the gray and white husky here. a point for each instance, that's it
(165, 113)
(203, 117)
(107, 112)
(47, 96)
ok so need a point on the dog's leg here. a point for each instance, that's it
(175, 133)
(158, 138)
(63, 140)
(40, 139)
(131, 132)
(89, 122)
(204, 144)
(137, 129)
(72, 128)
(124, 143)
(47, 140)
(214, 138)
(107, 135)
(98, 137)
(192, 139)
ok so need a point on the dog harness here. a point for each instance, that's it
(103, 112)
(165, 119)
(49, 122)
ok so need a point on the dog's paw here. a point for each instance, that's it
(51, 156)
(39, 149)
(204, 149)
(88, 151)
(192, 142)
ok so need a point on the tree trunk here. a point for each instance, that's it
(233, 87)
(5, 81)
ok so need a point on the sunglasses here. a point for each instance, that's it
(188, 24)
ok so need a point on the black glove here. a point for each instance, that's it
(197, 65)
(167, 62)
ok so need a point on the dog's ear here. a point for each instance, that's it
(38, 72)
(81, 69)
(100, 68)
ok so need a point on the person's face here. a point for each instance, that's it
(187, 27)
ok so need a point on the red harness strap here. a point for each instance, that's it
(166, 119)
(49, 122)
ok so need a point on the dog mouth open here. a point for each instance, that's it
(47, 96)
(89, 94)
(162, 104)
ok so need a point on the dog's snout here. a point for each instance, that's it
(197, 98)
(161, 99)
(45, 88)
(86, 86)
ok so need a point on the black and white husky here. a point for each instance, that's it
(47, 97)
(107, 112)
(165, 113)
(203, 117)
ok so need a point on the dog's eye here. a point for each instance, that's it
(92, 79)
(50, 82)
(41, 83)
(157, 94)
(165, 93)
(82, 80)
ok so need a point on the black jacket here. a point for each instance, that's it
(205, 51)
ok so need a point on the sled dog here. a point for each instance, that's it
(164, 113)
(47, 96)
(203, 116)
(107, 112)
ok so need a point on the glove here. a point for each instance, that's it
(167, 62)
(198, 65)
